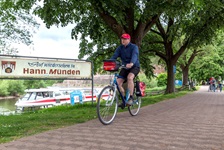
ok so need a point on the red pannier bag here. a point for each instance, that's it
(140, 88)
(111, 65)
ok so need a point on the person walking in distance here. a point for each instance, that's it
(219, 86)
(129, 54)
(213, 84)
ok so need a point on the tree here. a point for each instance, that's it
(4, 88)
(195, 24)
(15, 87)
(210, 63)
(17, 26)
(101, 22)
(185, 61)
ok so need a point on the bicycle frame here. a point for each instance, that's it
(114, 83)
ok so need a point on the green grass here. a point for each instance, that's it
(13, 127)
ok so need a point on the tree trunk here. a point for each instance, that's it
(185, 71)
(137, 39)
(170, 88)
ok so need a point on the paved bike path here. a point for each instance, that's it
(192, 122)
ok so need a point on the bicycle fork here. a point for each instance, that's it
(110, 102)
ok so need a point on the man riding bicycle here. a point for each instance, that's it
(129, 54)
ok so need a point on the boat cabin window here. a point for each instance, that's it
(66, 92)
(33, 96)
(57, 93)
(46, 94)
(25, 97)
(50, 94)
(39, 95)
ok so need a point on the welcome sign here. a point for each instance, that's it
(44, 68)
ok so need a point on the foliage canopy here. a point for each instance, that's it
(17, 25)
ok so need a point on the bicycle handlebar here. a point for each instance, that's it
(124, 67)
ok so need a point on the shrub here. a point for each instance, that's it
(150, 83)
(4, 88)
(162, 79)
(16, 87)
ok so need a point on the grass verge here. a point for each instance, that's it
(13, 127)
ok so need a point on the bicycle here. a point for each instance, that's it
(107, 102)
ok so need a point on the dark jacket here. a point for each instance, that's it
(128, 54)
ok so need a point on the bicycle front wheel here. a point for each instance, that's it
(107, 105)
(135, 107)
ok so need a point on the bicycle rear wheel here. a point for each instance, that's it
(107, 105)
(135, 107)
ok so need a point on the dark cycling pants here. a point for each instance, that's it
(124, 72)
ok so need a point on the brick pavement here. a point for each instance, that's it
(192, 122)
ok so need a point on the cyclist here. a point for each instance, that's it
(129, 54)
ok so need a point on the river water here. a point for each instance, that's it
(7, 106)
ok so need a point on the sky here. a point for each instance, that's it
(54, 42)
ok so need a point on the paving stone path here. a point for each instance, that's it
(192, 122)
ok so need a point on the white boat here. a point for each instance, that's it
(42, 97)
(53, 97)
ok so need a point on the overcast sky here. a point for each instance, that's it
(54, 42)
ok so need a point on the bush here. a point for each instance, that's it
(150, 83)
(162, 79)
(153, 83)
(16, 87)
(4, 88)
